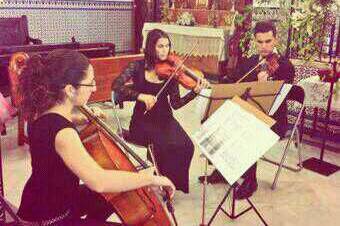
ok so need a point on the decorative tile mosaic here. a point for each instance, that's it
(57, 21)
(301, 72)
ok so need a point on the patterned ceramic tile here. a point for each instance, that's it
(57, 21)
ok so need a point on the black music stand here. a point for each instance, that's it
(260, 95)
(320, 165)
(233, 215)
(2, 210)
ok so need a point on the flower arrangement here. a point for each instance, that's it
(212, 19)
(310, 21)
(186, 19)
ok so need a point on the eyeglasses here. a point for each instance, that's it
(93, 84)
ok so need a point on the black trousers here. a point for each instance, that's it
(173, 148)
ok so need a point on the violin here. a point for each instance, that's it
(271, 64)
(173, 66)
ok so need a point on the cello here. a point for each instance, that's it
(140, 207)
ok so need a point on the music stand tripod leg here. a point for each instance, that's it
(257, 212)
(232, 215)
(220, 205)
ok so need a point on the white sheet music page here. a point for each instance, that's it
(280, 98)
(233, 140)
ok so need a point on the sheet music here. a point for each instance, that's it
(202, 102)
(233, 140)
(280, 98)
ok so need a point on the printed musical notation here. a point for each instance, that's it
(233, 139)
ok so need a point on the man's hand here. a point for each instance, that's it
(148, 100)
(262, 76)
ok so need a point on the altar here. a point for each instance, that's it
(211, 49)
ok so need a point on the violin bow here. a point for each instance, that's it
(167, 196)
(248, 73)
(173, 74)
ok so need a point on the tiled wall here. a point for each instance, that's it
(56, 21)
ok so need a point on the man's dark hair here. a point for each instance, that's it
(265, 26)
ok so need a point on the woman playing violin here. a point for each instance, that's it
(173, 148)
(52, 89)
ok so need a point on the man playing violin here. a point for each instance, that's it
(276, 67)
(152, 120)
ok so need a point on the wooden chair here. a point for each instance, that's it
(106, 70)
(14, 31)
(11, 210)
(16, 65)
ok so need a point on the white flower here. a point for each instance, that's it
(186, 18)
(317, 7)
(297, 19)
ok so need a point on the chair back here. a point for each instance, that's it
(296, 94)
(106, 70)
(14, 31)
(11, 210)
(16, 65)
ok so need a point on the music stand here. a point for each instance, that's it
(260, 95)
(319, 165)
(2, 210)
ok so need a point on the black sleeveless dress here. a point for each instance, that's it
(53, 190)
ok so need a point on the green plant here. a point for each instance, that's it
(247, 36)
(165, 15)
(309, 21)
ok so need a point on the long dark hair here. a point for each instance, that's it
(42, 82)
(150, 47)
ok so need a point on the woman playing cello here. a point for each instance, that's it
(52, 89)
(152, 120)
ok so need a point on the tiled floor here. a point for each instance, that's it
(303, 198)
